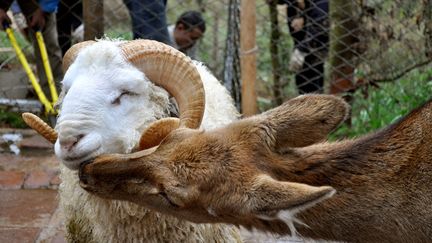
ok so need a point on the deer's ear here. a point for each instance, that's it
(278, 199)
(305, 120)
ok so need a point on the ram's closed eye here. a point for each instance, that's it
(117, 100)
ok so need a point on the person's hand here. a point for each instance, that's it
(37, 20)
(297, 24)
(296, 61)
(301, 4)
(4, 18)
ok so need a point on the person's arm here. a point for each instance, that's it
(4, 6)
(292, 11)
(296, 22)
(33, 12)
(318, 26)
(28, 6)
(295, 16)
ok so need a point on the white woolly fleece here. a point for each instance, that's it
(93, 85)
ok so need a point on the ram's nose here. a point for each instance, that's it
(67, 143)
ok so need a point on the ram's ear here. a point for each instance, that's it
(273, 199)
(305, 120)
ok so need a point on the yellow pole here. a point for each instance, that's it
(47, 66)
(48, 107)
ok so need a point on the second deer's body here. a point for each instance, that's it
(274, 173)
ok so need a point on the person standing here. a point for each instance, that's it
(40, 15)
(308, 22)
(148, 19)
(69, 19)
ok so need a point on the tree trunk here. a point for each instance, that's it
(216, 66)
(427, 15)
(274, 51)
(231, 72)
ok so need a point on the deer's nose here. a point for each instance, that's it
(69, 142)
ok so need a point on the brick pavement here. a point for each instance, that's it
(28, 196)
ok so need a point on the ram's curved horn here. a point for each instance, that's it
(175, 72)
(72, 53)
(166, 67)
(40, 126)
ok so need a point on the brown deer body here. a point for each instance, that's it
(274, 173)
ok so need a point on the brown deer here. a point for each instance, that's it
(274, 172)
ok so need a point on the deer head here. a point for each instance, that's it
(226, 174)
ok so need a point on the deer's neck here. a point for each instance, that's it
(336, 164)
(366, 176)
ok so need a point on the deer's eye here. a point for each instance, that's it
(165, 196)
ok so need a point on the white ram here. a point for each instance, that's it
(108, 100)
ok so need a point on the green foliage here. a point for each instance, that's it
(11, 119)
(22, 43)
(118, 33)
(388, 103)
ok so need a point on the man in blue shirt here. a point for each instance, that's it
(40, 15)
